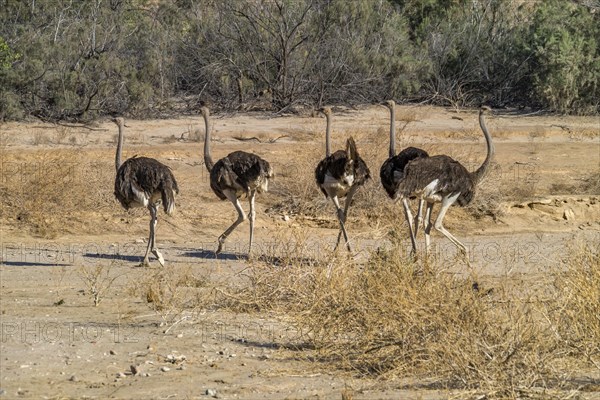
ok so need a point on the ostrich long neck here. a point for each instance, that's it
(207, 158)
(483, 169)
(119, 147)
(392, 131)
(328, 135)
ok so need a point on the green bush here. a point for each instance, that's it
(80, 60)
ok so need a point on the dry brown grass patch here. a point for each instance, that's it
(591, 184)
(391, 317)
(52, 192)
(577, 316)
(170, 292)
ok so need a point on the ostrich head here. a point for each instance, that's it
(485, 110)
(389, 104)
(325, 110)
(118, 120)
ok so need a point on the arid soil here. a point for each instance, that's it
(56, 344)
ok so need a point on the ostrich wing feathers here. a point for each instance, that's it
(451, 178)
(239, 171)
(392, 170)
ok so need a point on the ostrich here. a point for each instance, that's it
(144, 182)
(441, 179)
(239, 174)
(339, 175)
(392, 173)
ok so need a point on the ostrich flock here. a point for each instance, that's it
(410, 174)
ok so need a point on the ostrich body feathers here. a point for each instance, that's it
(241, 172)
(337, 173)
(141, 181)
(436, 177)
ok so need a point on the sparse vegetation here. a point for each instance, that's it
(98, 279)
(375, 318)
(170, 291)
(391, 317)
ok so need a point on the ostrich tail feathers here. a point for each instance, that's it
(168, 197)
(351, 151)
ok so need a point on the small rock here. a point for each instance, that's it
(286, 218)
(211, 392)
(112, 353)
(73, 378)
(180, 335)
(569, 214)
(181, 367)
(134, 369)
(121, 375)
(165, 369)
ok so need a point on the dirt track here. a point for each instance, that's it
(56, 344)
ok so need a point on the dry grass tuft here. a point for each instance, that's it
(53, 191)
(171, 291)
(591, 184)
(577, 316)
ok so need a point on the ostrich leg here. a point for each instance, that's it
(446, 203)
(341, 218)
(409, 219)
(151, 246)
(419, 217)
(346, 208)
(241, 218)
(251, 217)
(427, 228)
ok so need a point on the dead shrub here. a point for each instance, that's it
(391, 317)
(279, 276)
(61, 133)
(98, 280)
(40, 138)
(194, 133)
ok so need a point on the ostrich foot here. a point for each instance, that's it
(220, 247)
(159, 256)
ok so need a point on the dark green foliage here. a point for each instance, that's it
(79, 60)
(564, 41)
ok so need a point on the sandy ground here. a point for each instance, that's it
(56, 344)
